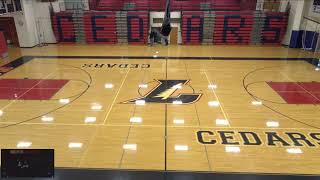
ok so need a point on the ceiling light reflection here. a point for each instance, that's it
(90, 119)
(132, 147)
(73, 145)
(47, 119)
(136, 119)
(144, 86)
(24, 144)
(64, 101)
(294, 150)
(181, 148)
(96, 107)
(177, 102)
(214, 103)
(178, 121)
(273, 124)
(232, 149)
(140, 102)
(222, 122)
(212, 86)
(108, 86)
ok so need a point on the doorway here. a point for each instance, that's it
(8, 27)
(174, 35)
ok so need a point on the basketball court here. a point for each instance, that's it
(165, 112)
(161, 90)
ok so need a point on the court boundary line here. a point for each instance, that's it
(100, 173)
(172, 57)
(292, 175)
(24, 59)
(160, 126)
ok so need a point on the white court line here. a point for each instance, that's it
(216, 96)
(158, 126)
(115, 98)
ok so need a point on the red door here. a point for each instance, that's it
(8, 27)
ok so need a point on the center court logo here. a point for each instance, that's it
(163, 92)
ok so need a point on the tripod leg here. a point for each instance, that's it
(159, 34)
(167, 17)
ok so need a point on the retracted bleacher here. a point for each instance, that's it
(100, 27)
(63, 27)
(202, 22)
(233, 27)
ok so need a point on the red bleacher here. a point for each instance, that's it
(127, 21)
(274, 29)
(192, 35)
(144, 4)
(217, 5)
(233, 27)
(226, 5)
(100, 27)
(106, 5)
(188, 4)
(63, 27)
(127, 5)
(138, 27)
(156, 5)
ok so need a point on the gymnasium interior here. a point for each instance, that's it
(93, 89)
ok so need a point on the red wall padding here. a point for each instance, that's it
(226, 5)
(119, 5)
(100, 27)
(138, 27)
(109, 5)
(3, 45)
(190, 5)
(274, 28)
(192, 27)
(233, 28)
(248, 5)
(146, 4)
(63, 27)
(229, 27)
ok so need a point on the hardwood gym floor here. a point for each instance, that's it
(226, 109)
